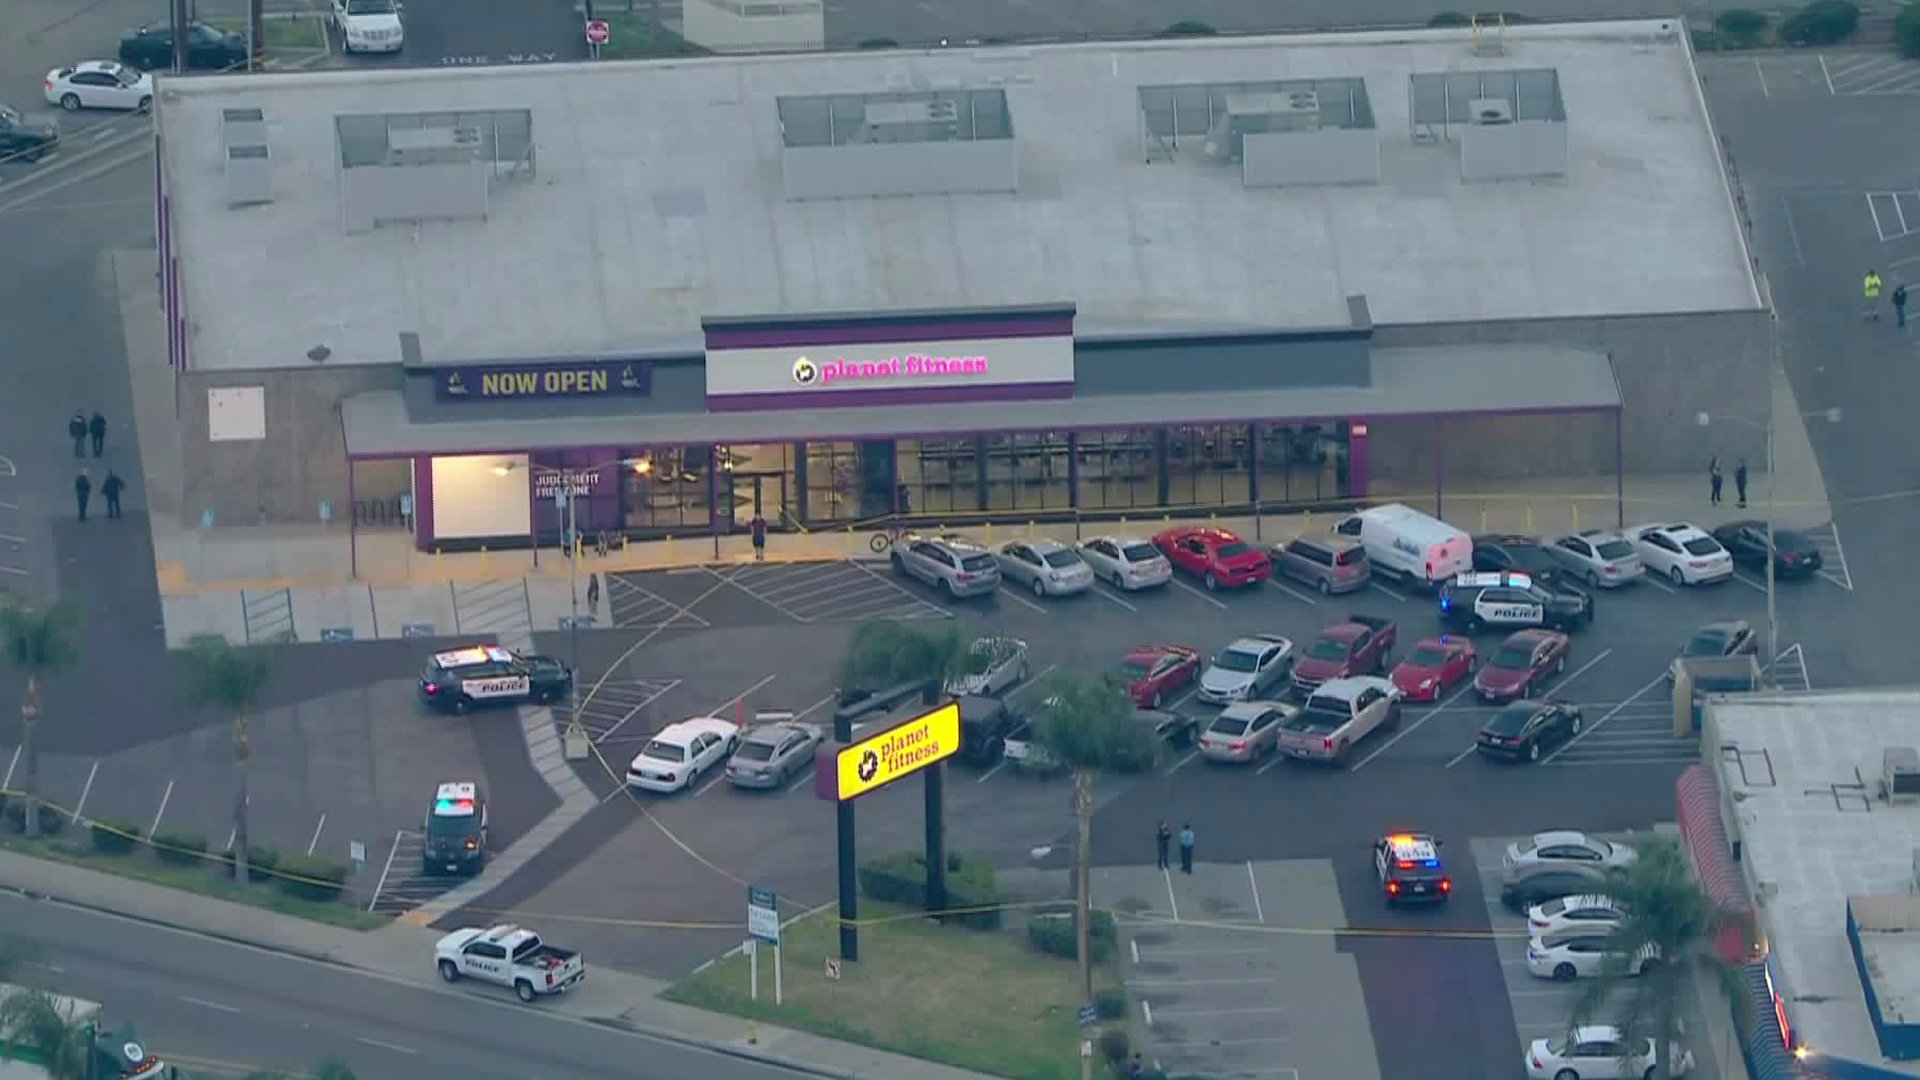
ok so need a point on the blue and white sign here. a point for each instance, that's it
(336, 633)
(763, 915)
(416, 629)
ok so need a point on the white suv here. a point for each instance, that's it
(369, 25)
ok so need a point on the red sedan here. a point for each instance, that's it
(1215, 556)
(1524, 660)
(1156, 672)
(1433, 666)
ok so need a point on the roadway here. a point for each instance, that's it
(207, 1002)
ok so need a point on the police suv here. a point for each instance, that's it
(1474, 601)
(456, 830)
(1410, 870)
(459, 679)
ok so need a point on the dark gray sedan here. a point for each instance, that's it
(769, 755)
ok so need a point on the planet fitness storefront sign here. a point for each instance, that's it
(837, 361)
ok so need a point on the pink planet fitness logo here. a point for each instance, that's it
(810, 372)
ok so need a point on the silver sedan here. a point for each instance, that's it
(1048, 567)
(772, 754)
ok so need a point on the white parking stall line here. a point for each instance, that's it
(1461, 756)
(385, 869)
(162, 812)
(626, 708)
(1658, 680)
(9, 538)
(1112, 599)
(1276, 759)
(1554, 689)
(1465, 688)
(1295, 593)
(6, 466)
(1030, 682)
(1209, 599)
(1579, 671)
(1827, 75)
(985, 776)
(5, 505)
(384, 1045)
(315, 842)
(1173, 905)
(81, 806)
(1182, 763)
(922, 609)
(1749, 582)
(1254, 883)
(1836, 571)
(1382, 588)
(623, 593)
(805, 778)
(205, 1004)
(721, 709)
(1204, 1014)
(7, 784)
(1789, 669)
(5, 569)
(1650, 579)
(1014, 596)
(718, 779)
(815, 707)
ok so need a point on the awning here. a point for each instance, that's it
(1764, 1047)
(1698, 801)
(1413, 382)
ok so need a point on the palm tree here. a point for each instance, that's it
(1088, 726)
(230, 678)
(39, 643)
(58, 1040)
(886, 653)
(1666, 936)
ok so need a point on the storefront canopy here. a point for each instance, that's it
(1414, 382)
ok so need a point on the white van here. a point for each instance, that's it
(1403, 541)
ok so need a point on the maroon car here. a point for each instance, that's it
(1523, 661)
(1359, 645)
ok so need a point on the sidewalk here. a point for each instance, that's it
(403, 952)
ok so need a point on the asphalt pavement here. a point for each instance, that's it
(211, 1003)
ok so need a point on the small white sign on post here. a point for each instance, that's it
(833, 969)
(357, 854)
(763, 925)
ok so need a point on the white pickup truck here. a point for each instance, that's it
(1338, 714)
(508, 955)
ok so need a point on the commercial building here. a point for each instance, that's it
(1814, 798)
(1115, 279)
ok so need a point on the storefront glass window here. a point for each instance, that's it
(1119, 470)
(760, 477)
(665, 488)
(1302, 463)
(833, 481)
(1027, 472)
(939, 475)
(1207, 466)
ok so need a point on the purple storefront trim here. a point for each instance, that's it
(423, 502)
(925, 395)
(720, 339)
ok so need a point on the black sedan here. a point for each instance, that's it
(1795, 553)
(1523, 554)
(26, 140)
(208, 48)
(1523, 729)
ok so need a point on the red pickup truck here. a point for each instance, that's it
(1358, 646)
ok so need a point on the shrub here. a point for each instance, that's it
(902, 879)
(1188, 28)
(1110, 1002)
(261, 862)
(1823, 22)
(1449, 18)
(1114, 1045)
(112, 836)
(1743, 27)
(51, 820)
(1054, 932)
(876, 43)
(180, 849)
(309, 878)
(1706, 41)
(1906, 30)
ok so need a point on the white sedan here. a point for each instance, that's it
(99, 84)
(674, 759)
(1599, 1052)
(1048, 567)
(1573, 913)
(1127, 562)
(994, 665)
(1685, 554)
(1582, 954)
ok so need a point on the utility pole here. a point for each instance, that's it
(178, 21)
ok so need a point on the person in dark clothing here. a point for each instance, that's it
(759, 527)
(1740, 482)
(110, 490)
(82, 491)
(77, 431)
(593, 595)
(97, 427)
(1714, 478)
(900, 502)
(1900, 305)
(1162, 837)
(1186, 849)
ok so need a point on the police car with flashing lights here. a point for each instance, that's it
(460, 679)
(1410, 870)
(1499, 600)
(456, 830)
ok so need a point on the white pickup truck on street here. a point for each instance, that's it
(508, 955)
(1337, 715)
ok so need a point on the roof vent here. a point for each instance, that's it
(916, 142)
(1490, 111)
(1900, 775)
(249, 176)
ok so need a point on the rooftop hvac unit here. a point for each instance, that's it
(249, 175)
(912, 121)
(433, 146)
(1490, 111)
(243, 127)
(1900, 775)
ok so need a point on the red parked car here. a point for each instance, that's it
(1525, 659)
(1433, 666)
(1215, 556)
(1156, 672)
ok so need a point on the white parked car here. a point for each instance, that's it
(1127, 562)
(1573, 913)
(1246, 668)
(1565, 847)
(1048, 567)
(99, 84)
(1599, 1052)
(994, 664)
(674, 759)
(369, 25)
(1684, 554)
(1581, 954)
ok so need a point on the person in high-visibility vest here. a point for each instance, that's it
(1870, 288)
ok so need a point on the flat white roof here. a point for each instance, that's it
(1813, 832)
(657, 198)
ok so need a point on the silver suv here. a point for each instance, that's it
(954, 564)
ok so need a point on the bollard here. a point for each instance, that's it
(483, 558)
(1576, 515)
(1030, 528)
(625, 543)
(1529, 517)
(1306, 520)
(989, 534)
(1123, 523)
(1483, 517)
(849, 541)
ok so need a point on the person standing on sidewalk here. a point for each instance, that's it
(77, 431)
(758, 526)
(593, 595)
(1870, 295)
(82, 491)
(1714, 478)
(1740, 483)
(110, 490)
(1162, 838)
(1186, 848)
(97, 427)
(1900, 305)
